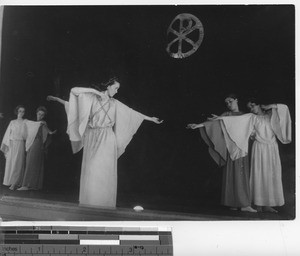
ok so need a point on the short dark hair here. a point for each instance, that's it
(254, 100)
(42, 108)
(231, 95)
(17, 109)
(103, 86)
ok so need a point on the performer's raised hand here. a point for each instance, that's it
(156, 120)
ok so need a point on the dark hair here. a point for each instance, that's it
(41, 108)
(231, 95)
(103, 86)
(253, 100)
(17, 108)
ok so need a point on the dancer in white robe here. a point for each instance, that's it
(13, 147)
(265, 179)
(103, 126)
(265, 171)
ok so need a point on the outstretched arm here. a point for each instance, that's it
(153, 119)
(267, 107)
(194, 126)
(52, 98)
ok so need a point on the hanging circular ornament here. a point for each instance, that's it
(185, 35)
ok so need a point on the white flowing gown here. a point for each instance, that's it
(265, 179)
(103, 127)
(13, 146)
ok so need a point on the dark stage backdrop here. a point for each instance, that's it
(249, 50)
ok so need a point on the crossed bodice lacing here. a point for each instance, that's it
(102, 114)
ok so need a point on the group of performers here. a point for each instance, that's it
(23, 145)
(103, 127)
(257, 187)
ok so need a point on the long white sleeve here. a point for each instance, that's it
(281, 123)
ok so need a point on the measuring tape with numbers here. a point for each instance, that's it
(79, 241)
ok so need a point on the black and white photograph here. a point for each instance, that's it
(147, 113)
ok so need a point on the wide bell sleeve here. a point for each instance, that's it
(228, 135)
(126, 125)
(78, 110)
(5, 141)
(281, 123)
(237, 130)
(212, 135)
(79, 90)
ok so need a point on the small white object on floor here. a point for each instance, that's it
(138, 208)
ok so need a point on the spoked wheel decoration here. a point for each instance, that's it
(185, 35)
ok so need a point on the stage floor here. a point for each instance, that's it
(155, 208)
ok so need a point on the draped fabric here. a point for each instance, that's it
(78, 110)
(103, 127)
(281, 123)
(265, 180)
(22, 169)
(13, 146)
(236, 133)
(265, 174)
(32, 130)
(235, 173)
(127, 123)
(235, 183)
(213, 136)
(37, 134)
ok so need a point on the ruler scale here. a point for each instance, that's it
(85, 241)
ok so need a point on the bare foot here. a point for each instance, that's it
(269, 209)
(12, 187)
(23, 188)
(248, 209)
